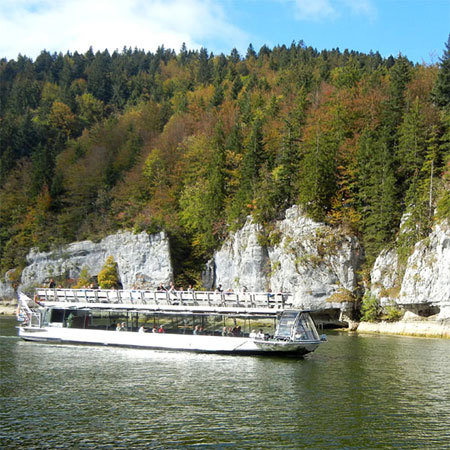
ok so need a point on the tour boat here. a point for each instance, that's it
(197, 321)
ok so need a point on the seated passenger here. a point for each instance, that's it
(253, 334)
(142, 329)
(260, 334)
(196, 330)
(154, 330)
(161, 329)
(225, 331)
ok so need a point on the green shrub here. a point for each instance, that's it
(370, 307)
(108, 277)
(84, 280)
(392, 313)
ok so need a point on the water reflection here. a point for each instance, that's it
(354, 392)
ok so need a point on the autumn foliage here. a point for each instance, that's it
(192, 143)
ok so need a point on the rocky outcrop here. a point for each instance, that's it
(425, 286)
(7, 286)
(427, 277)
(241, 263)
(143, 261)
(385, 276)
(318, 264)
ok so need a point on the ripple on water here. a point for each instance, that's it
(352, 393)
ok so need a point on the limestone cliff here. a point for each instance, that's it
(316, 263)
(143, 260)
(424, 288)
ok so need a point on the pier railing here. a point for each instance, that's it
(280, 300)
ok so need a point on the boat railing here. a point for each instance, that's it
(279, 300)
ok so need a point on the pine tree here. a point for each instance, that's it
(412, 145)
(441, 91)
(318, 172)
(377, 192)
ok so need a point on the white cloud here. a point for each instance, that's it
(29, 26)
(362, 7)
(317, 10)
(314, 9)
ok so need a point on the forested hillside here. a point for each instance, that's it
(192, 143)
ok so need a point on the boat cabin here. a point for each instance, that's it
(295, 325)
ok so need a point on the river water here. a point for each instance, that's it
(353, 392)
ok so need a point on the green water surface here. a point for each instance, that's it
(353, 392)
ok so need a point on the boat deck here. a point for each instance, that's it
(253, 303)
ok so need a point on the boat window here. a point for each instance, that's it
(306, 328)
(286, 322)
(56, 315)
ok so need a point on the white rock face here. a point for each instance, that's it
(242, 261)
(6, 287)
(427, 276)
(306, 258)
(426, 281)
(143, 260)
(384, 275)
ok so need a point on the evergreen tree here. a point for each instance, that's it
(204, 67)
(400, 75)
(441, 91)
(287, 168)
(377, 192)
(412, 145)
(99, 77)
(318, 172)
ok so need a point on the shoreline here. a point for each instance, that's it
(417, 328)
(8, 308)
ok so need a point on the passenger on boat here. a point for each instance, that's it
(69, 320)
(161, 287)
(154, 330)
(123, 327)
(225, 331)
(142, 329)
(260, 334)
(119, 327)
(52, 283)
(161, 329)
(219, 289)
(196, 330)
(253, 334)
(171, 289)
(237, 331)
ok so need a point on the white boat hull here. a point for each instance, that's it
(166, 341)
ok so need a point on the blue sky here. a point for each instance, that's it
(416, 28)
